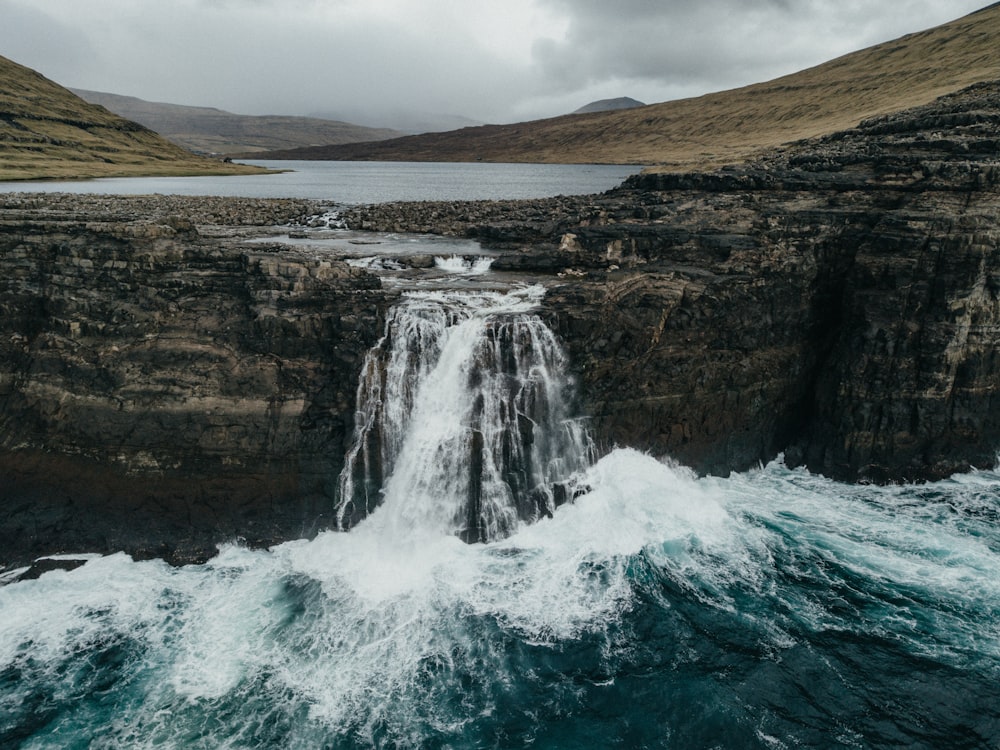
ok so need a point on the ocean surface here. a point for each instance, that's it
(773, 609)
(365, 182)
(770, 609)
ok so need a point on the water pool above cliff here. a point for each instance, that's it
(367, 182)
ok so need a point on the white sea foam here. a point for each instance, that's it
(378, 632)
(352, 624)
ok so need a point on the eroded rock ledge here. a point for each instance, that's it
(165, 386)
(838, 300)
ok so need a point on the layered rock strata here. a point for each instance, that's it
(163, 390)
(165, 386)
(838, 300)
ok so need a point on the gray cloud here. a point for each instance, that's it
(24, 30)
(713, 44)
(519, 60)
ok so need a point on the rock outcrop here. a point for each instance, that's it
(837, 300)
(163, 390)
(165, 385)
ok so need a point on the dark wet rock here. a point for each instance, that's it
(416, 261)
(164, 390)
(47, 564)
(836, 299)
(164, 387)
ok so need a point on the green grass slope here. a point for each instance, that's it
(47, 132)
(728, 126)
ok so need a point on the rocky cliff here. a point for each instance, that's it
(166, 385)
(164, 388)
(838, 300)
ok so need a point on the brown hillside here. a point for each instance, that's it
(209, 130)
(728, 126)
(47, 132)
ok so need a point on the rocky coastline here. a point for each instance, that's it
(166, 386)
(168, 381)
(835, 300)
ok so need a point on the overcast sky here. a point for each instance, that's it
(500, 61)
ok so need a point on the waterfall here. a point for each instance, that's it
(464, 419)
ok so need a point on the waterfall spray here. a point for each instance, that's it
(464, 421)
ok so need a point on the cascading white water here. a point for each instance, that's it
(464, 421)
(458, 264)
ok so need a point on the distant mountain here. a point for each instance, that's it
(215, 131)
(47, 132)
(609, 105)
(407, 123)
(729, 126)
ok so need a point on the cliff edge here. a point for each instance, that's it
(166, 385)
(837, 299)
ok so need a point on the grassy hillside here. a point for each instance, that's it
(215, 131)
(728, 126)
(47, 132)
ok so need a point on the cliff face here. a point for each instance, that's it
(863, 344)
(165, 386)
(836, 300)
(164, 390)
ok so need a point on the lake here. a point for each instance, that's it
(366, 182)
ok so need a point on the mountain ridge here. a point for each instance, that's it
(730, 126)
(609, 105)
(213, 130)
